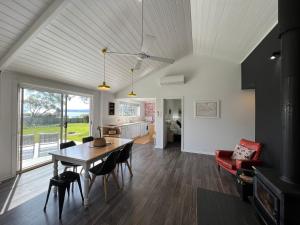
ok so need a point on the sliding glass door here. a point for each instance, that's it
(76, 117)
(41, 119)
(46, 120)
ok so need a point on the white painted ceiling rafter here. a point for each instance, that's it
(41, 22)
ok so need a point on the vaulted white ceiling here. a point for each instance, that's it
(67, 47)
(231, 29)
(15, 18)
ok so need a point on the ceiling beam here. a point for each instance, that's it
(47, 16)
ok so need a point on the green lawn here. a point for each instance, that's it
(76, 131)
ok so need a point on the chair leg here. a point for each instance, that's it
(129, 168)
(121, 164)
(61, 198)
(92, 181)
(49, 190)
(68, 189)
(105, 187)
(219, 169)
(80, 189)
(116, 179)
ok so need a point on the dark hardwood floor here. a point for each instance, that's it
(162, 191)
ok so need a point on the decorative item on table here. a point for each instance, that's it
(99, 142)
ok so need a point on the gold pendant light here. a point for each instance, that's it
(131, 94)
(104, 86)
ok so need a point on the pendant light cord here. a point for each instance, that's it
(104, 66)
(132, 80)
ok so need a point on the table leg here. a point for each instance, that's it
(86, 184)
(55, 172)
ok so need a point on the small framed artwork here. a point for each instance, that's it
(207, 109)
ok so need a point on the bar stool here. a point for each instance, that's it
(62, 182)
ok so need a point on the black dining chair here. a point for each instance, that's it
(87, 139)
(68, 164)
(104, 169)
(62, 182)
(123, 159)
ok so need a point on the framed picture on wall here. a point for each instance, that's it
(207, 109)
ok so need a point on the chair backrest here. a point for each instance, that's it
(28, 140)
(87, 139)
(67, 144)
(125, 153)
(111, 161)
(48, 138)
(257, 147)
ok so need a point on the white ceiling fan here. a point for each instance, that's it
(146, 44)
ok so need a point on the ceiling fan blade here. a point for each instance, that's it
(148, 43)
(138, 64)
(161, 59)
(122, 53)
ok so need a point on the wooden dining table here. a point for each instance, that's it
(86, 154)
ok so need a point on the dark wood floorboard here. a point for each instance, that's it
(163, 190)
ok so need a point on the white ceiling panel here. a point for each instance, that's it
(68, 49)
(67, 46)
(16, 16)
(230, 29)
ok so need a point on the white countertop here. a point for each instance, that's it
(124, 124)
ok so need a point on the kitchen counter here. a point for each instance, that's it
(124, 124)
(128, 130)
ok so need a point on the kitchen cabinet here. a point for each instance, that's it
(134, 130)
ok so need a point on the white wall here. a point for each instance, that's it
(206, 79)
(9, 82)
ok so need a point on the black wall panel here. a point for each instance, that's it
(265, 74)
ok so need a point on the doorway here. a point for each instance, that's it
(46, 119)
(173, 134)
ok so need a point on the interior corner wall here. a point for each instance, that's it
(9, 82)
(206, 79)
(266, 75)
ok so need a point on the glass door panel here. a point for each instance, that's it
(40, 129)
(76, 117)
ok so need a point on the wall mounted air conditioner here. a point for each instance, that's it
(172, 80)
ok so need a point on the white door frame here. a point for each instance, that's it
(182, 117)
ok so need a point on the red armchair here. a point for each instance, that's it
(223, 157)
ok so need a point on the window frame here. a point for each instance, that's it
(133, 109)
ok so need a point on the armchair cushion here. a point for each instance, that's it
(257, 147)
(223, 153)
(242, 153)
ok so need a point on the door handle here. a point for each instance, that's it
(65, 125)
